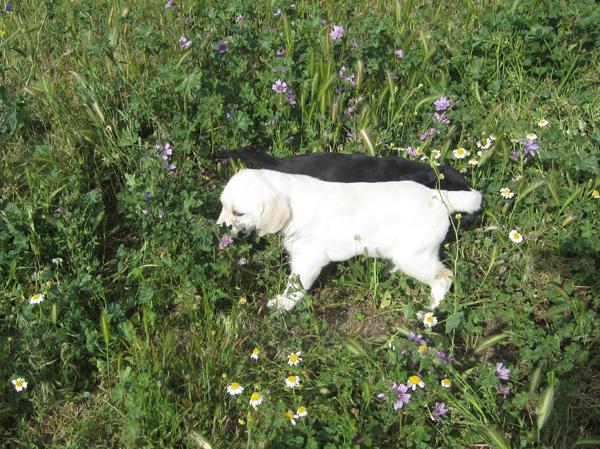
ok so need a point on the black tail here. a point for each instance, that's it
(256, 158)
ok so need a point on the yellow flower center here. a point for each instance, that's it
(446, 382)
(422, 348)
(516, 235)
(289, 415)
(429, 319)
(414, 380)
(235, 386)
(291, 379)
(255, 351)
(294, 358)
(301, 410)
(255, 396)
(19, 383)
(596, 193)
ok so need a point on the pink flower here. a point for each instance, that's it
(279, 86)
(399, 53)
(337, 32)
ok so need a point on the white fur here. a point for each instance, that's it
(322, 222)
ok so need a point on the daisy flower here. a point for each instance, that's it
(506, 193)
(36, 299)
(279, 86)
(256, 399)
(515, 236)
(289, 415)
(294, 358)
(543, 123)
(460, 153)
(484, 143)
(436, 154)
(415, 381)
(422, 348)
(301, 412)
(254, 355)
(234, 389)
(429, 320)
(446, 383)
(596, 194)
(531, 136)
(20, 384)
(292, 381)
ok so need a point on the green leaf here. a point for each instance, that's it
(453, 321)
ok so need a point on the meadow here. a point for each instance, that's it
(129, 319)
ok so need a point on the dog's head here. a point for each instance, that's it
(250, 202)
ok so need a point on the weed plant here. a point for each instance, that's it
(129, 319)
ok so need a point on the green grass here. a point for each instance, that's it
(145, 321)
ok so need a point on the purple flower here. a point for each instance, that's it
(168, 149)
(239, 18)
(290, 98)
(399, 53)
(414, 337)
(349, 110)
(502, 371)
(353, 44)
(279, 86)
(9, 7)
(280, 52)
(503, 390)
(427, 134)
(343, 77)
(226, 240)
(441, 118)
(531, 148)
(440, 410)
(337, 32)
(171, 168)
(169, 4)
(351, 135)
(443, 357)
(412, 151)
(515, 155)
(442, 104)
(222, 46)
(184, 43)
(402, 398)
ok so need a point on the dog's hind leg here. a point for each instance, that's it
(304, 271)
(427, 268)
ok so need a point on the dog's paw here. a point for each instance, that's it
(284, 303)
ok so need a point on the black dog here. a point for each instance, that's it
(338, 167)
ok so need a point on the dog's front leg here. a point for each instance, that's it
(304, 272)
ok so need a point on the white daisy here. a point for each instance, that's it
(292, 381)
(543, 123)
(515, 236)
(301, 412)
(446, 383)
(414, 382)
(234, 389)
(294, 358)
(291, 417)
(256, 399)
(460, 153)
(531, 136)
(20, 384)
(506, 193)
(436, 154)
(484, 143)
(429, 320)
(36, 299)
(596, 194)
(254, 355)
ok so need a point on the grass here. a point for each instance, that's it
(146, 321)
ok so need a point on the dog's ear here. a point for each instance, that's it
(275, 214)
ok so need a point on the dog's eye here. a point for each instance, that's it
(237, 214)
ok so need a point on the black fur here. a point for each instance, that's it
(338, 167)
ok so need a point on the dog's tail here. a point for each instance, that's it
(468, 201)
(256, 158)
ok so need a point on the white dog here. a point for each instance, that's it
(325, 222)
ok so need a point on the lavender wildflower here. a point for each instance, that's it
(337, 32)
(440, 410)
(515, 155)
(443, 357)
(343, 77)
(502, 371)
(290, 98)
(279, 86)
(503, 390)
(402, 397)
(222, 46)
(348, 112)
(226, 240)
(399, 53)
(239, 18)
(184, 43)
(10, 7)
(441, 118)
(171, 168)
(412, 151)
(416, 338)
(280, 52)
(169, 4)
(531, 148)
(427, 134)
(442, 104)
